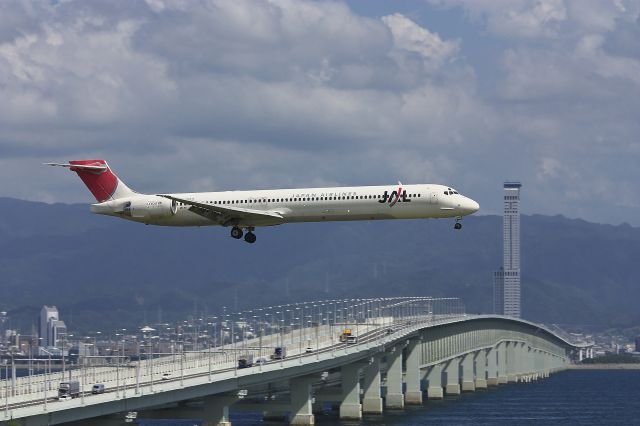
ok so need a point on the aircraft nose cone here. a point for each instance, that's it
(469, 206)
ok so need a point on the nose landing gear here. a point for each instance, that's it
(458, 225)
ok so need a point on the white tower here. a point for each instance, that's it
(511, 249)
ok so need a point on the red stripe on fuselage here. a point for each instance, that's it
(102, 184)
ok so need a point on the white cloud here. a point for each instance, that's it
(515, 18)
(410, 38)
(190, 95)
(532, 19)
(290, 76)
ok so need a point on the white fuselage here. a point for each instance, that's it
(297, 205)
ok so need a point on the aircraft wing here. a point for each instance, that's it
(226, 215)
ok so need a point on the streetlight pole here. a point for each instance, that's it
(13, 376)
(182, 355)
(63, 360)
(6, 392)
(209, 348)
(281, 320)
(117, 368)
(46, 375)
(151, 367)
(258, 323)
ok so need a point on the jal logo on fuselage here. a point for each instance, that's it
(394, 197)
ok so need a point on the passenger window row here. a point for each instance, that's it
(300, 199)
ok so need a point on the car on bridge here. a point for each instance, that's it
(97, 388)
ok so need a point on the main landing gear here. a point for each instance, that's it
(236, 232)
(250, 237)
(458, 225)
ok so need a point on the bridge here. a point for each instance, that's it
(400, 350)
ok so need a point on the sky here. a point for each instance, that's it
(218, 95)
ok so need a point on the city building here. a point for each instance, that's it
(52, 330)
(4, 318)
(506, 281)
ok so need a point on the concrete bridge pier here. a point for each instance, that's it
(395, 398)
(413, 391)
(453, 377)
(545, 365)
(481, 369)
(538, 362)
(512, 362)
(519, 364)
(501, 352)
(531, 364)
(372, 400)
(216, 410)
(301, 401)
(541, 364)
(492, 366)
(468, 377)
(350, 407)
(434, 378)
(524, 368)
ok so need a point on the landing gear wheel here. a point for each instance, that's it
(236, 232)
(250, 237)
(458, 225)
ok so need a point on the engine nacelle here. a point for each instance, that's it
(150, 207)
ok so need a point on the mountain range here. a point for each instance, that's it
(103, 273)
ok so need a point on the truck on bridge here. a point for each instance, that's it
(245, 361)
(70, 388)
(348, 336)
(280, 352)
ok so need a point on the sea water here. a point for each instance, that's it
(573, 397)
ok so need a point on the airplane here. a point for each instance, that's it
(244, 211)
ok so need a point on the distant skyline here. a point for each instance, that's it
(186, 96)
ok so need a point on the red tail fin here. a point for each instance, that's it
(100, 181)
(97, 175)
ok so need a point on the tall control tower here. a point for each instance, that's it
(506, 281)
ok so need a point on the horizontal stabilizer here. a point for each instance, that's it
(95, 167)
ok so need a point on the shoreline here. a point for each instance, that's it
(604, 367)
